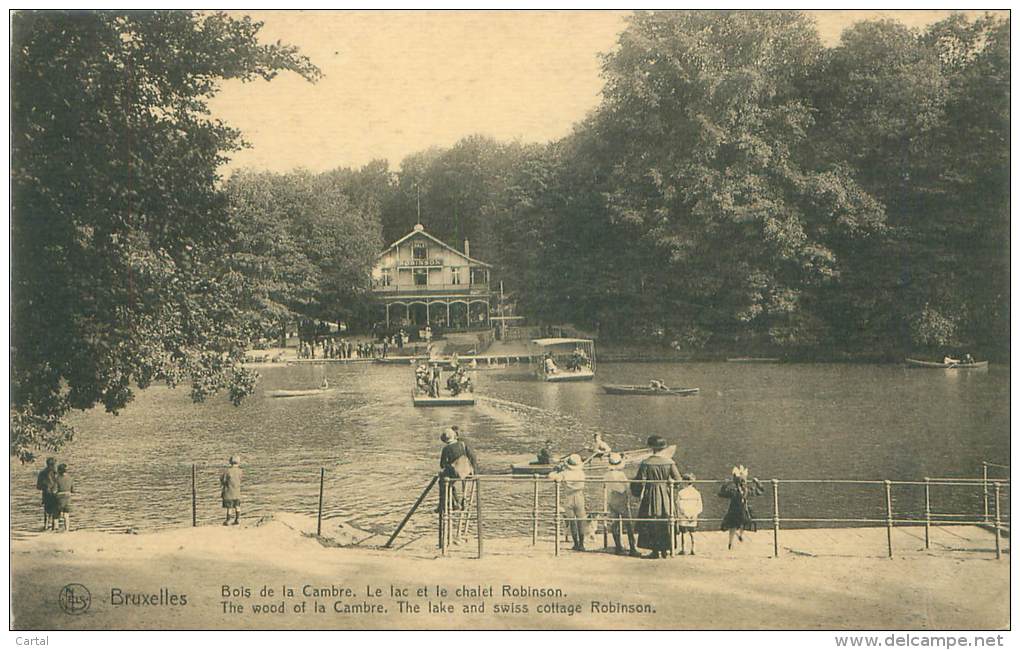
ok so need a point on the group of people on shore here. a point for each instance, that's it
(650, 527)
(343, 349)
(56, 486)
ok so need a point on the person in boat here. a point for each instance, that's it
(457, 461)
(657, 384)
(599, 447)
(739, 517)
(572, 497)
(967, 358)
(230, 490)
(653, 527)
(550, 364)
(545, 455)
(436, 381)
(689, 507)
(948, 359)
(617, 489)
(422, 378)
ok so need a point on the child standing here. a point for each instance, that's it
(689, 505)
(230, 482)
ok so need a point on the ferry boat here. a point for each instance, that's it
(563, 348)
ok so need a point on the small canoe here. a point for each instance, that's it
(621, 389)
(754, 360)
(598, 464)
(299, 393)
(975, 365)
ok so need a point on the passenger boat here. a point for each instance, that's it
(299, 393)
(753, 360)
(564, 347)
(419, 398)
(597, 464)
(621, 389)
(464, 399)
(974, 365)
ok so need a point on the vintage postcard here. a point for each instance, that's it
(511, 320)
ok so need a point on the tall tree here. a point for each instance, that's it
(700, 144)
(116, 217)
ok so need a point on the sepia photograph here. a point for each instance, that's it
(432, 320)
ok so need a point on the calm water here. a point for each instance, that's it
(783, 421)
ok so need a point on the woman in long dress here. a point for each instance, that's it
(655, 499)
(739, 517)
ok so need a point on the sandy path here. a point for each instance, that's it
(716, 589)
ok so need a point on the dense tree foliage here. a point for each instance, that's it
(742, 185)
(116, 217)
(305, 242)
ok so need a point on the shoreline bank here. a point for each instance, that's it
(824, 579)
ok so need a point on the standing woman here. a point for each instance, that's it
(739, 516)
(62, 498)
(655, 499)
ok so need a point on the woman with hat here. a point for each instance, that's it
(457, 461)
(739, 516)
(656, 504)
(230, 484)
(572, 477)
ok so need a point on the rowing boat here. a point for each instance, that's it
(753, 360)
(621, 389)
(298, 393)
(595, 464)
(975, 365)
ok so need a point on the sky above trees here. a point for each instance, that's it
(399, 82)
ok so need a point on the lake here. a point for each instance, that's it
(787, 421)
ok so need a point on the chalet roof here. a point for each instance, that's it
(420, 230)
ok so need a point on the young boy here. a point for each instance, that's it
(689, 505)
(618, 486)
(230, 482)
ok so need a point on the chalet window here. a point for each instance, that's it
(421, 277)
(387, 279)
(419, 251)
(479, 276)
(455, 275)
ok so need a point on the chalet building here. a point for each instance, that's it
(420, 280)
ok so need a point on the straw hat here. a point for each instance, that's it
(574, 460)
(657, 443)
(689, 477)
(615, 458)
(235, 460)
(740, 472)
(449, 435)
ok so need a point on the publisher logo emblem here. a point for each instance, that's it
(75, 599)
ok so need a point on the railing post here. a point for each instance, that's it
(442, 513)
(534, 511)
(605, 515)
(322, 480)
(672, 519)
(478, 513)
(927, 513)
(998, 531)
(556, 548)
(194, 499)
(984, 485)
(775, 518)
(888, 515)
